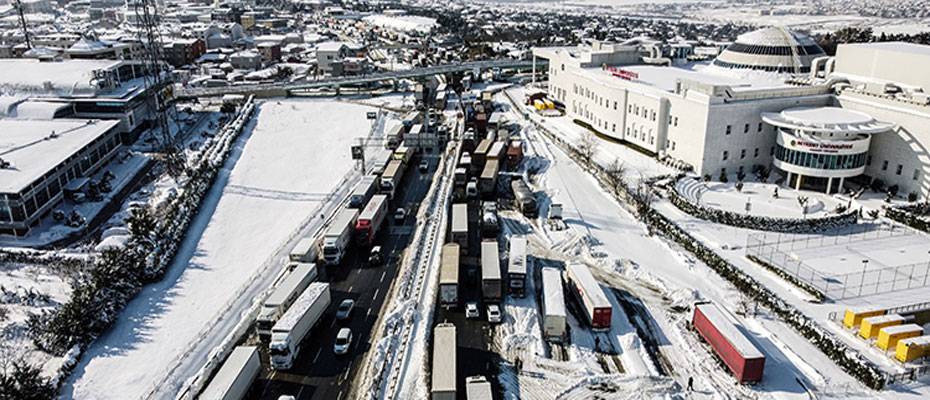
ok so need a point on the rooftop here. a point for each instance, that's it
(33, 150)
(666, 78)
(826, 119)
(900, 47)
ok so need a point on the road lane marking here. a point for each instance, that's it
(375, 297)
(358, 271)
(340, 396)
(333, 323)
(367, 313)
(348, 368)
(318, 351)
(382, 275)
(350, 289)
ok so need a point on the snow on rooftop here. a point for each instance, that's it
(72, 76)
(35, 147)
(666, 78)
(296, 310)
(901, 47)
(827, 119)
(729, 331)
(553, 299)
(406, 23)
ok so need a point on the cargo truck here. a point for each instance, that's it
(490, 223)
(363, 191)
(305, 251)
(443, 385)
(235, 377)
(488, 181)
(338, 234)
(478, 388)
(449, 276)
(514, 154)
(394, 137)
(370, 219)
(553, 305)
(490, 272)
(516, 267)
(479, 156)
(741, 357)
(404, 153)
(590, 296)
(390, 179)
(283, 295)
(496, 152)
(524, 199)
(291, 330)
(459, 232)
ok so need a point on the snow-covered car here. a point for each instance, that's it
(400, 215)
(471, 310)
(424, 165)
(344, 311)
(343, 341)
(374, 257)
(494, 314)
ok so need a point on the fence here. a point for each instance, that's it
(778, 251)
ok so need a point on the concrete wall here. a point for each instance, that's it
(897, 62)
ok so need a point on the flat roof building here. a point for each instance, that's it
(38, 158)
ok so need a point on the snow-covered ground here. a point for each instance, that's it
(617, 238)
(760, 196)
(283, 169)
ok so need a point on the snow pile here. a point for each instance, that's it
(404, 23)
(615, 386)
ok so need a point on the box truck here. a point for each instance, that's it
(741, 357)
(444, 362)
(283, 295)
(516, 267)
(363, 191)
(490, 272)
(488, 181)
(590, 296)
(459, 231)
(371, 219)
(524, 199)
(305, 251)
(234, 378)
(553, 305)
(338, 234)
(478, 388)
(390, 179)
(449, 276)
(291, 330)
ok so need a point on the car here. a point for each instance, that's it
(344, 311)
(374, 257)
(424, 165)
(494, 314)
(343, 341)
(400, 215)
(471, 310)
(471, 190)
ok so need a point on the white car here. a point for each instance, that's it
(400, 215)
(343, 341)
(494, 314)
(471, 310)
(424, 166)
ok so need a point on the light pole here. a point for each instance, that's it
(927, 272)
(865, 265)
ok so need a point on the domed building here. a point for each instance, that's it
(774, 49)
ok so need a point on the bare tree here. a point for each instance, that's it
(644, 195)
(617, 172)
(587, 145)
(803, 201)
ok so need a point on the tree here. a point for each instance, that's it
(22, 381)
(802, 201)
(617, 172)
(587, 144)
(644, 195)
(739, 186)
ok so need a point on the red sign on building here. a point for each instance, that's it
(621, 73)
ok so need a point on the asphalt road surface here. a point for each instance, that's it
(318, 373)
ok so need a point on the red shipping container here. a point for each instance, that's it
(743, 358)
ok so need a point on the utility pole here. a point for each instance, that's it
(22, 21)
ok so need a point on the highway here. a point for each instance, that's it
(318, 373)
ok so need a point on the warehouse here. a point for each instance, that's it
(770, 89)
(38, 158)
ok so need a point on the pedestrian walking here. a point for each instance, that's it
(690, 383)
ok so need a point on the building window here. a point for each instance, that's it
(898, 170)
(742, 154)
(729, 129)
(885, 165)
(613, 127)
(771, 151)
(868, 160)
(615, 105)
(746, 128)
(916, 174)
(756, 152)
(726, 154)
(759, 128)
(676, 121)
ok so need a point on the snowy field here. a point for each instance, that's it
(760, 196)
(281, 172)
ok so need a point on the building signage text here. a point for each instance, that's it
(622, 73)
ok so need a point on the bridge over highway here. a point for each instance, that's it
(285, 88)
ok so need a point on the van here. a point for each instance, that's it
(471, 190)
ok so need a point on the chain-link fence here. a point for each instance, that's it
(781, 251)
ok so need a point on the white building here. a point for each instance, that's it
(758, 104)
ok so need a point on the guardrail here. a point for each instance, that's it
(351, 80)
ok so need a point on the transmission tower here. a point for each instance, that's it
(160, 88)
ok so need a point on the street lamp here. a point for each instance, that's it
(865, 265)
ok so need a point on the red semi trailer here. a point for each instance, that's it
(590, 296)
(743, 358)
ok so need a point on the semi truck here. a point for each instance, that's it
(741, 357)
(291, 330)
(234, 378)
(496, 152)
(478, 388)
(449, 276)
(553, 305)
(390, 179)
(490, 272)
(370, 219)
(363, 191)
(524, 199)
(394, 137)
(514, 154)
(590, 296)
(443, 385)
(338, 234)
(404, 153)
(490, 223)
(488, 181)
(479, 156)
(516, 267)
(305, 251)
(283, 295)
(459, 232)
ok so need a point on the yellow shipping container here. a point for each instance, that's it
(853, 318)
(549, 104)
(871, 325)
(888, 337)
(911, 349)
(539, 105)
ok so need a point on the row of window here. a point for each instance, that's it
(820, 161)
(774, 50)
(745, 128)
(770, 68)
(742, 153)
(897, 170)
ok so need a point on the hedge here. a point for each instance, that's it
(911, 215)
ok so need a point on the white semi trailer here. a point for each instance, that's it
(283, 295)
(234, 378)
(338, 235)
(305, 251)
(293, 327)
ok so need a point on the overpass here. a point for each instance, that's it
(286, 88)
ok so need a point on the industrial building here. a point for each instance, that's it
(772, 99)
(40, 158)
